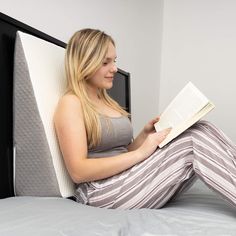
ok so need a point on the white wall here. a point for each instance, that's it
(134, 24)
(199, 44)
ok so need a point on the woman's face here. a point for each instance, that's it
(104, 76)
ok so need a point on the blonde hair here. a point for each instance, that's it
(85, 53)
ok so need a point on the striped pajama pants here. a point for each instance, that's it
(201, 151)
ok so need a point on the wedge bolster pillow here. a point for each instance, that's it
(39, 82)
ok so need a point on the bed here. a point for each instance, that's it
(35, 189)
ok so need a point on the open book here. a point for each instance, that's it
(189, 106)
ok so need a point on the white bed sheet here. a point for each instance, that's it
(197, 212)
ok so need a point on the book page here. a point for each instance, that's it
(188, 102)
(186, 124)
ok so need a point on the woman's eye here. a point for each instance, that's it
(107, 62)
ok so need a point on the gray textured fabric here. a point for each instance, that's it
(34, 171)
(195, 213)
(117, 133)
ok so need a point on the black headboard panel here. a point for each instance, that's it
(8, 28)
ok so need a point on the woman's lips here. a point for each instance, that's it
(110, 78)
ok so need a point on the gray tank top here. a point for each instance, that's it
(116, 134)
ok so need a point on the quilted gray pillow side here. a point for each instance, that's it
(34, 171)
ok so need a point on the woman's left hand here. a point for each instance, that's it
(149, 127)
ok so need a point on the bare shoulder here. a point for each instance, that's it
(69, 100)
(68, 106)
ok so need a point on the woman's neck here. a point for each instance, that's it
(93, 94)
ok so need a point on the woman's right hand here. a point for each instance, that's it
(152, 142)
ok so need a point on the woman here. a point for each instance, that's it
(95, 136)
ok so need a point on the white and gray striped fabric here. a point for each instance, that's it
(201, 151)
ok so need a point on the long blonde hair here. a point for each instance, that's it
(85, 53)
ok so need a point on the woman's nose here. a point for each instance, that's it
(114, 68)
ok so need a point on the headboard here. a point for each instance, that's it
(8, 27)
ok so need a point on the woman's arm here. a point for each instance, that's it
(72, 139)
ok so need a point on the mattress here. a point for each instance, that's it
(198, 211)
